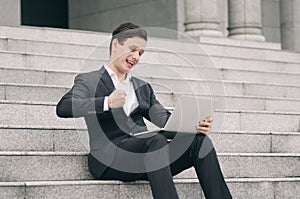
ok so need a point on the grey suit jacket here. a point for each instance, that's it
(106, 129)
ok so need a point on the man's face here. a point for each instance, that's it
(125, 56)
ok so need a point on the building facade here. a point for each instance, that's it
(260, 20)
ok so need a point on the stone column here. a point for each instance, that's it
(201, 18)
(245, 20)
(10, 12)
(290, 24)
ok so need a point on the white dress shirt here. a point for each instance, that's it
(131, 101)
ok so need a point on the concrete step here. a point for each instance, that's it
(51, 48)
(115, 189)
(258, 142)
(43, 114)
(44, 62)
(87, 37)
(254, 165)
(212, 50)
(29, 92)
(97, 59)
(64, 78)
(250, 188)
(35, 114)
(239, 43)
(27, 138)
(256, 65)
(37, 77)
(33, 166)
(21, 43)
(42, 93)
(53, 35)
(33, 92)
(240, 102)
(219, 62)
(33, 138)
(261, 77)
(235, 88)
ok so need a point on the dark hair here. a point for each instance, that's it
(127, 30)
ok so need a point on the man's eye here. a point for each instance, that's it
(132, 49)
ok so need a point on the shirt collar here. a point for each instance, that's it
(113, 74)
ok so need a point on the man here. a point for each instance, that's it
(114, 103)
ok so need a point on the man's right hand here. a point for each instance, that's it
(116, 99)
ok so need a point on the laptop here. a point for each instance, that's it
(187, 113)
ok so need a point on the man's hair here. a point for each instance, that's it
(125, 31)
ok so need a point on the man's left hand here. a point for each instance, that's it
(204, 126)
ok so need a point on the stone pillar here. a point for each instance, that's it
(10, 12)
(245, 20)
(201, 18)
(290, 24)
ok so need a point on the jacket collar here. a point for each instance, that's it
(106, 80)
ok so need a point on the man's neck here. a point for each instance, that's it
(121, 76)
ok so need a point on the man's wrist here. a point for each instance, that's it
(109, 102)
(106, 104)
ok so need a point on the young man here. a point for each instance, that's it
(114, 103)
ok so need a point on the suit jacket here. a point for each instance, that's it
(106, 129)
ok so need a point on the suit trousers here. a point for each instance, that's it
(200, 154)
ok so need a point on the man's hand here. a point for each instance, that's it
(116, 99)
(204, 126)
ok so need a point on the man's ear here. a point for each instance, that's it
(115, 44)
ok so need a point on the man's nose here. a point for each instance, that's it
(136, 55)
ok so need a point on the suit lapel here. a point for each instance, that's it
(105, 80)
(138, 92)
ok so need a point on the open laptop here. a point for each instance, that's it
(188, 111)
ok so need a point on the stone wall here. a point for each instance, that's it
(105, 15)
(10, 12)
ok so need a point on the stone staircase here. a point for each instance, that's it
(43, 156)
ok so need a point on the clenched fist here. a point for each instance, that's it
(116, 99)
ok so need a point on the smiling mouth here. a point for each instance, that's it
(131, 63)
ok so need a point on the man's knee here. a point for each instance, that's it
(157, 141)
(205, 145)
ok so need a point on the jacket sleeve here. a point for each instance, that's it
(80, 100)
(157, 114)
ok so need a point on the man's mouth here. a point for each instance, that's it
(131, 63)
